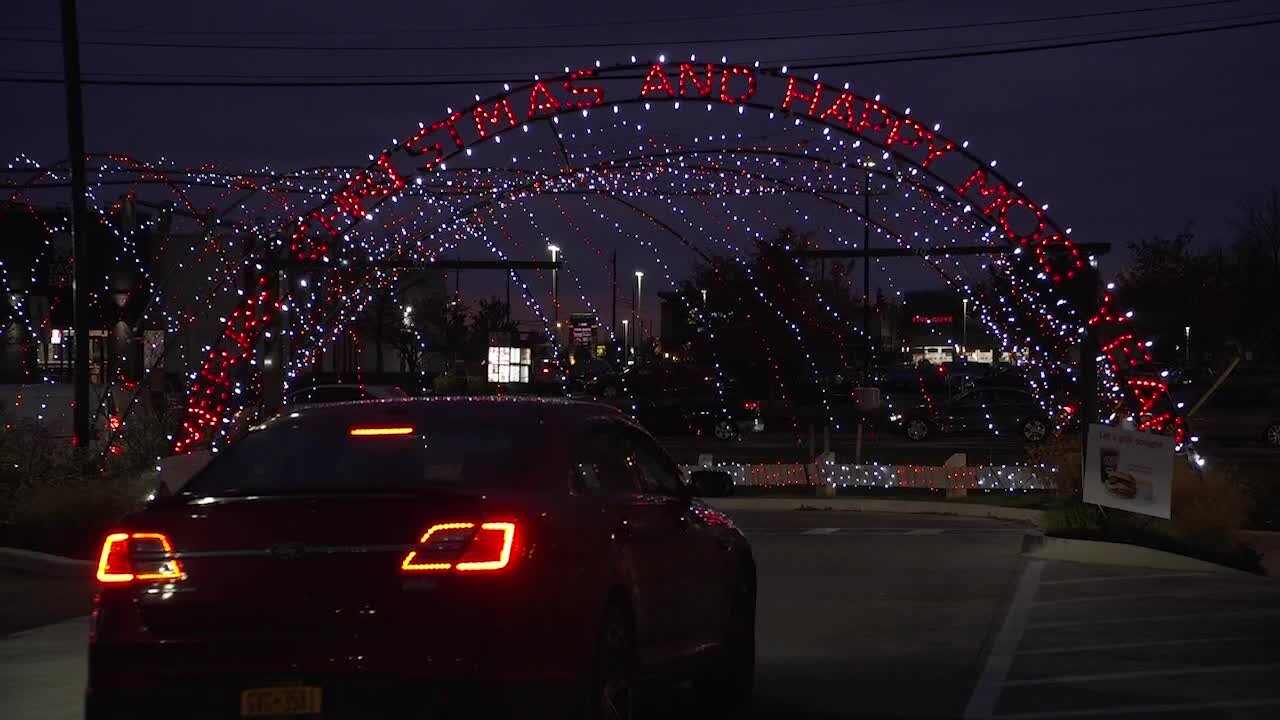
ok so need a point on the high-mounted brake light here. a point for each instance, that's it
(145, 556)
(380, 431)
(462, 546)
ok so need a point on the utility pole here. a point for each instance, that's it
(1090, 281)
(866, 266)
(613, 320)
(79, 222)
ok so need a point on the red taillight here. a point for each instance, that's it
(751, 405)
(462, 546)
(142, 556)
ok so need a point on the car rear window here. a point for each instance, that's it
(312, 458)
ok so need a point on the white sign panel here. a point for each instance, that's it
(1129, 470)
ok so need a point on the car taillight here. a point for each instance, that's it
(751, 405)
(462, 546)
(145, 556)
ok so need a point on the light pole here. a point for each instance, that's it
(555, 291)
(635, 308)
(964, 325)
(1187, 334)
(866, 262)
(626, 340)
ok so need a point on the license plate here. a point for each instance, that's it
(284, 701)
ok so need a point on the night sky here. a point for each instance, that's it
(1124, 140)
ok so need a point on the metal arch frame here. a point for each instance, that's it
(579, 172)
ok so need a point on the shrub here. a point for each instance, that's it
(1208, 510)
(1060, 456)
(58, 498)
(1209, 507)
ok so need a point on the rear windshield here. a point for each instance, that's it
(307, 458)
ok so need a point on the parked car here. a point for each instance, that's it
(1244, 408)
(982, 411)
(344, 392)
(729, 419)
(421, 557)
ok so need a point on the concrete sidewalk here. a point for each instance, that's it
(43, 672)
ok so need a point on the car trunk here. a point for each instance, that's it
(312, 567)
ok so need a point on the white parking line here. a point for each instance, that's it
(1217, 593)
(1103, 578)
(1153, 618)
(987, 691)
(1132, 645)
(1127, 710)
(1163, 672)
(821, 531)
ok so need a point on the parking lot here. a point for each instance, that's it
(1108, 642)
(889, 615)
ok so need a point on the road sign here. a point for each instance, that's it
(1129, 470)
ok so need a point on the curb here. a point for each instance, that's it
(1111, 553)
(918, 507)
(38, 563)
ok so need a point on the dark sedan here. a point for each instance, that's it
(407, 557)
(727, 419)
(1004, 411)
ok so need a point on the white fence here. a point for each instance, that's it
(992, 477)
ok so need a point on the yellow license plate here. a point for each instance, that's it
(284, 701)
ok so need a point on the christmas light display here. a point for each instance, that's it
(338, 221)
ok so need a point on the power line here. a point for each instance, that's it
(500, 76)
(835, 63)
(482, 28)
(620, 43)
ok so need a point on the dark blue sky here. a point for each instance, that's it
(1122, 140)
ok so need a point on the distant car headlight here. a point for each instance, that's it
(895, 417)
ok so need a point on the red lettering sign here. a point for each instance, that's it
(583, 97)
(691, 76)
(541, 100)
(483, 117)
(656, 81)
(727, 75)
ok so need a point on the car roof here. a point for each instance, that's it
(325, 386)
(461, 407)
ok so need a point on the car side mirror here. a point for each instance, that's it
(711, 483)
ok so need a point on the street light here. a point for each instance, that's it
(964, 337)
(626, 339)
(555, 290)
(1187, 334)
(635, 308)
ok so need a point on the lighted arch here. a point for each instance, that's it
(926, 156)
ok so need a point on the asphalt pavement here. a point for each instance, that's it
(888, 615)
